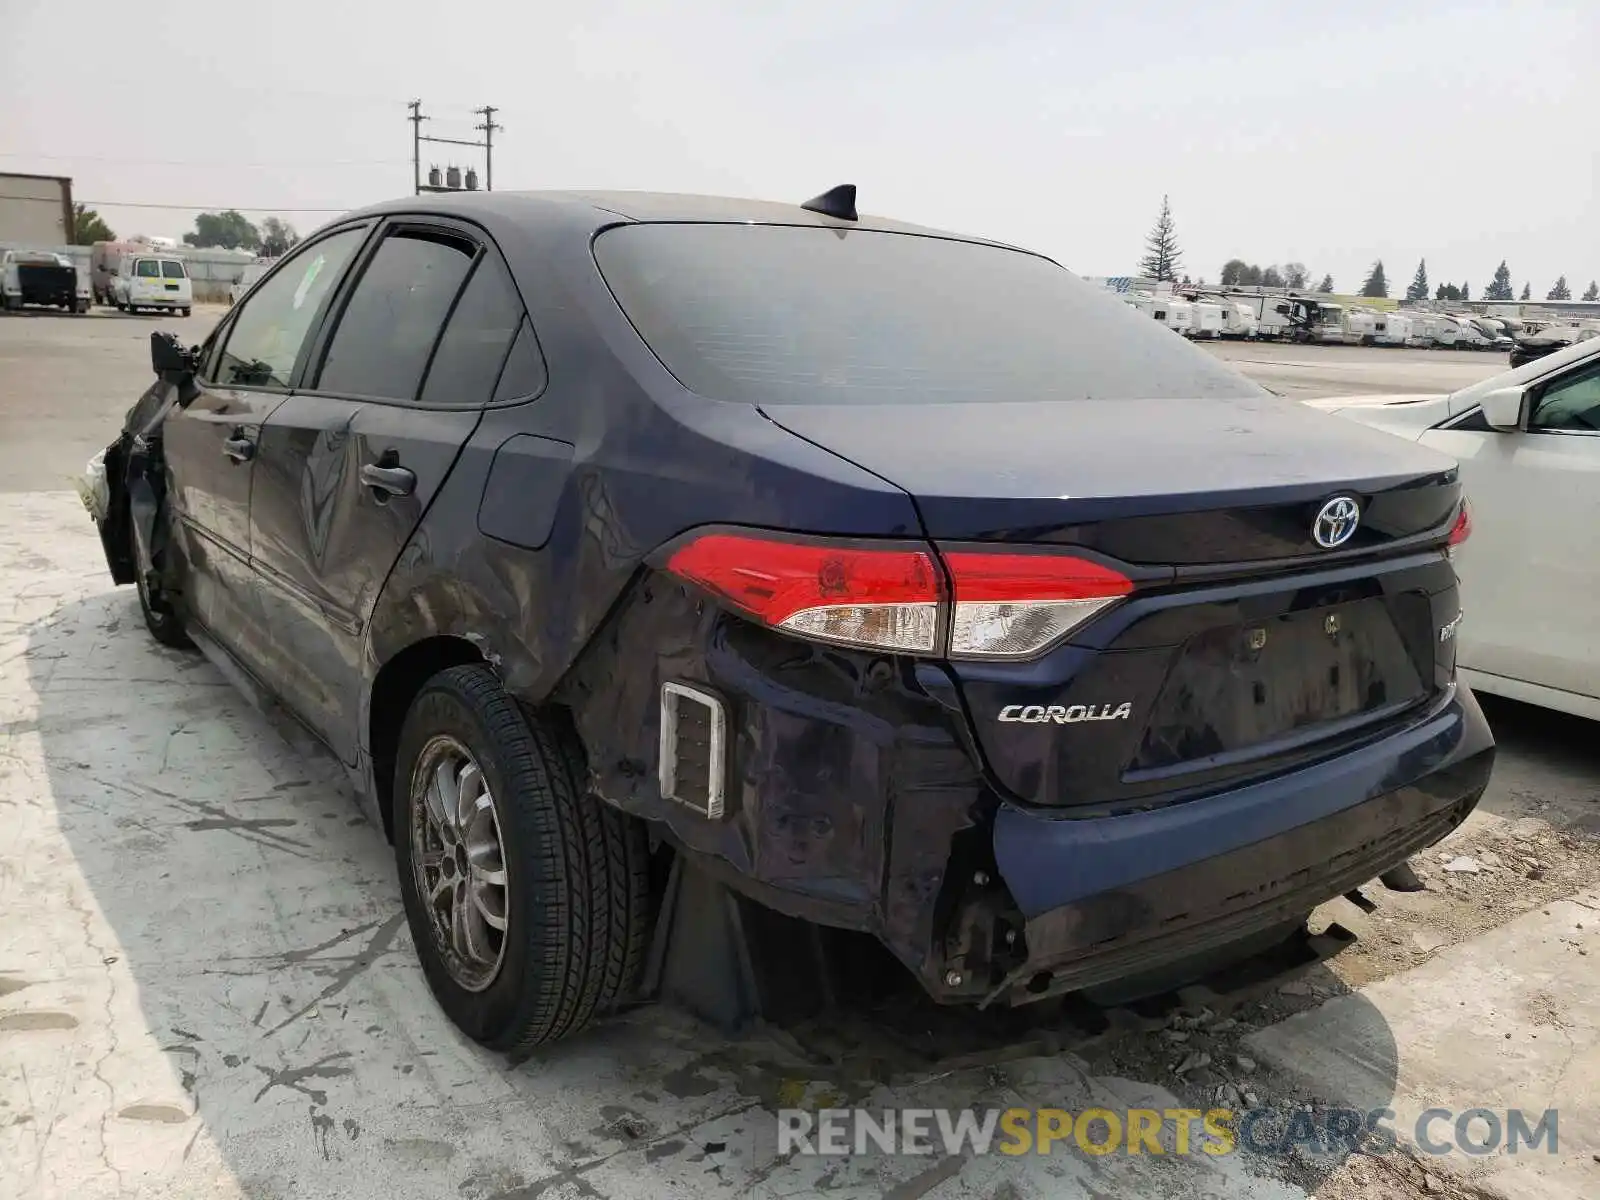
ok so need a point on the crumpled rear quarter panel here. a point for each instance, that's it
(846, 782)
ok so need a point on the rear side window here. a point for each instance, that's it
(524, 373)
(473, 349)
(171, 269)
(800, 315)
(393, 318)
(147, 268)
(265, 339)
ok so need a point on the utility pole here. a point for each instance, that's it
(488, 127)
(416, 120)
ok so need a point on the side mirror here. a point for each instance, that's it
(168, 356)
(1502, 408)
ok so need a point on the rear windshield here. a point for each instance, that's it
(147, 268)
(794, 315)
(171, 269)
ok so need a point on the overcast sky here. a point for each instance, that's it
(1326, 133)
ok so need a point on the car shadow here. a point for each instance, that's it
(222, 995)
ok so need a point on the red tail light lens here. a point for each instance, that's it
(1462, 529)
(1015, 605)
(837, 593)
(1006, 606)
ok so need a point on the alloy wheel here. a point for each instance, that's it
(459, 862)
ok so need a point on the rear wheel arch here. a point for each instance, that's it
(394, 687)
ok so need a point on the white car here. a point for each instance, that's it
(1528, 442)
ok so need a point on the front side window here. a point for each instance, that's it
(1571, 404)
(147, 268)
(270, 330)
(386, 334)
(172, 269)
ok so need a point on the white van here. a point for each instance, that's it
(152, 281)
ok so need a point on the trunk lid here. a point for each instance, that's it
(1169, 482)
(1247, 647)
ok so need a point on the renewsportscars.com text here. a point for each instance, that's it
(1176, 1131)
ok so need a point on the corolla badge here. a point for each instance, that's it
(1068, 714)
(1336, 522)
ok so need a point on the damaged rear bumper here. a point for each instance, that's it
(1114, 898)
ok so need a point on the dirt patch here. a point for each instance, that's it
(1498, 870)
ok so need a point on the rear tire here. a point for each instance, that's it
(572, 897)
(183, 312)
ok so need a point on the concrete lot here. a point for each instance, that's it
(1304, 372)
(207, 988)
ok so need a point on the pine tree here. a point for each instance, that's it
(1419, 282)
(1466, 292)
(1162, 256)
(1500, 289)
(1527, 291)
(1377, 283)
(1326, 285)
(1594, 291)
(1560, 291)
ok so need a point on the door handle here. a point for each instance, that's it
(239, 449)
(393, 481)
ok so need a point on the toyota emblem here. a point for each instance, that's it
(1336, 522)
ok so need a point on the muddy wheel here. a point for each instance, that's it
(164, 622)
(528, 899)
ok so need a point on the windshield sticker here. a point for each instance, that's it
(304, 289)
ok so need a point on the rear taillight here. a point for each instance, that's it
(1462, 529)
(1004, 606)
(1014, 605)
(835, 592)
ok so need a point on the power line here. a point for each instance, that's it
(274, 208)
(176, 162)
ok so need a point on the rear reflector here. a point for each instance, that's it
(1005, 605)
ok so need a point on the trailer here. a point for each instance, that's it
(1361, 326)
(1210, 318)
(1434, 329)
(105, 259)
(1293, 318)
(1175, 314)
(1469, 334)
(1394, 329)
(1238, 321)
